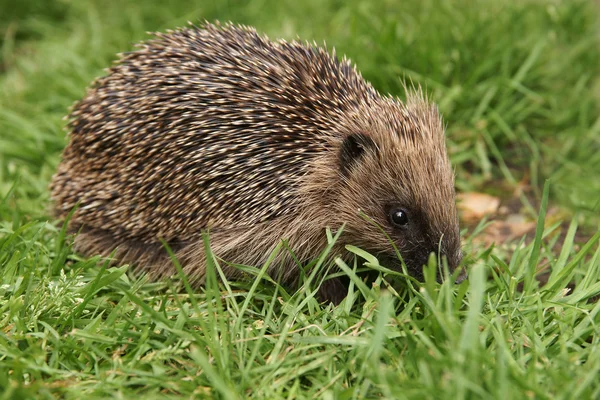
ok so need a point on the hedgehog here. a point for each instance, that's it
(215, 128)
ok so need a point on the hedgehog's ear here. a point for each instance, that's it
(353, 150)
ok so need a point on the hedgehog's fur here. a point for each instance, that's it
(218, 127)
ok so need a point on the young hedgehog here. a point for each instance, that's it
(217, 128)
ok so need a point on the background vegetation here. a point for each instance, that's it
(517, 83)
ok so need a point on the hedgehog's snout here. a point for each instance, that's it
(452, 259)
(462, 277)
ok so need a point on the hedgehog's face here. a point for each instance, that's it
(405, 186)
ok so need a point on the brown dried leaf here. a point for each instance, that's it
(474, 206)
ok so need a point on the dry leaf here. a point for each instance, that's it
(474, 206)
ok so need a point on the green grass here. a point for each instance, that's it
(517, 83)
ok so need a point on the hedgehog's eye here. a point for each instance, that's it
(399, 217)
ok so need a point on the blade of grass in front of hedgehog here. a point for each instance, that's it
(214, 374)
(351, 273)
(307, 289)
(477, 288)
(257, 280)
(259, 337)
(217, 318)
(61, 251)
(374, 350)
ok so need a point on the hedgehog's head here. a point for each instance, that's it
(392, 167)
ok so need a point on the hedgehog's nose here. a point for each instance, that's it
(463, 271)
(462, 277)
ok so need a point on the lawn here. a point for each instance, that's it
(518, 84)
